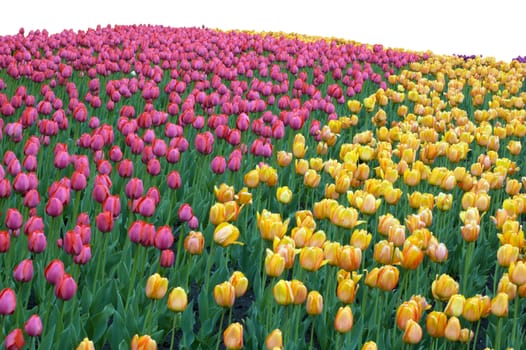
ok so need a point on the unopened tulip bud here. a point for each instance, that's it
(143, 342)
(274, 340)
(344, 319)
(86, 344)
(240, 283)
(314, 303)
(33, 326)
(225, 294)
(412, 333)
(233, 336)
(156, 286)
(177, 300)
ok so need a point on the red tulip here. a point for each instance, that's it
(36, 242)
(54, 271)
(5, 188)
(78, 181)
(84, 256)
(72, 243)
(5, 241)
(66, 288)
(167, 258)
(204, 143)
(134, 188)
(23, 272)
(15, 340)
(104, 221)
(7, 301)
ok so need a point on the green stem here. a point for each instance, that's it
(497, 340)
(311, 333)
(174, 325)
(515, 320)
(495, 274)
(147, 320)
(378, 308)
(220, 329)
(476, 336)
(132, 277)
(467, 266)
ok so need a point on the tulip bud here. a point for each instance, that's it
(7, 301)
(15, 340)
(517, 273)
(23, 272)
(388, 276)
(499, 305)
(314, 303)
(436, 324)
(177, 300)
(33, 326)
(54, 271)
(282, 292)
(66, 288)
(225, 294)
(344, 319)
(143, 342)
(156, 286)
(86, 344)
(284, 194)
(444, 287)
(240, 283)
(194, 242)
(274, 340)
(226, 234)
(299, 292)
(370, 345)
(233, 336)
(412, 333)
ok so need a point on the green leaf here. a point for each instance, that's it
(98, 323)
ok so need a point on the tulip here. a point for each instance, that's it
(15, 340)
(177, 300)
(517, 273)
(167, 258)
(473, 309)
(346, 291)
(283, 158)
(274, 340)
(54, 271)
(251, 179)
(314, 303)
(226, 234)
(164, 238)
(225, 294)
(233, 336)
(143, 342)
(224, 193)
(23, 272)
(436, 324)
(311, 258)
(412, 333)
(452, 330)
(344, 319)
(156, 286)
(13, 219)
(194, 242)
(86, 344)
(311, 178)
(361, 239)
(33, 326)
(410, 257)
(299, 292)
(499, 305)
(274, 264)
(66, 288)
(104, 221)
(455, 305)
(370, 345)
(388, 276)
(240, 283)
(349, 258)
(284, 194)
(282, 292)
(444, 287)
(7, 301)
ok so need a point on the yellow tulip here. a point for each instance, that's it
(156, 286)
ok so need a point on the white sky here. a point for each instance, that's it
(444, 27)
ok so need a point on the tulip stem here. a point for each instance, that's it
(467, 266)
(135, 263)
(148, 315)
(498, 337)
(515, 320)
(378, 308)
(220, 328)
(311, 333)
(174, 325)
(495, 274)
(476, 335)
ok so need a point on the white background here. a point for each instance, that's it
(445, 27)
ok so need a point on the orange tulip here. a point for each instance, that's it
(349, 258)
(225, 294)
(311, 258)
(283, 158)
(224, 193)
(499, 305)
(274, 264)
(194, 242)
(507, 254)
(388, 276)
(452, 330)
(361, 239)
(344, 319)
(436, 324)
(314, 303)
(517, 273)
(251, 179)
(384, 252)
(346, 291)
(505, 286)
(274, 340)
(143, 342)
(233, 336)
(412, 333)
(410, 257)
(86, 344)
(240, 283)
(299, 292)
(444, 287)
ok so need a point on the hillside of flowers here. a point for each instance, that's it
(190, 188)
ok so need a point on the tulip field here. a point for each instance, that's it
(190, 188)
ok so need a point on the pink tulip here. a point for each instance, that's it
(153, 167)
(33, 326)
(36, 242)
(13, 219)
(134, 188)
(72, 243)
(7, 301)
(23, 272)
(113, 205)
(145, 206)
(66, 287)
(185, 212)
(34, 223)
(173, 180)
(164, 238)
(218, 164)
(84, 256)
(54, 207)
(104, 221)
(54, 271)
(5, 188)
